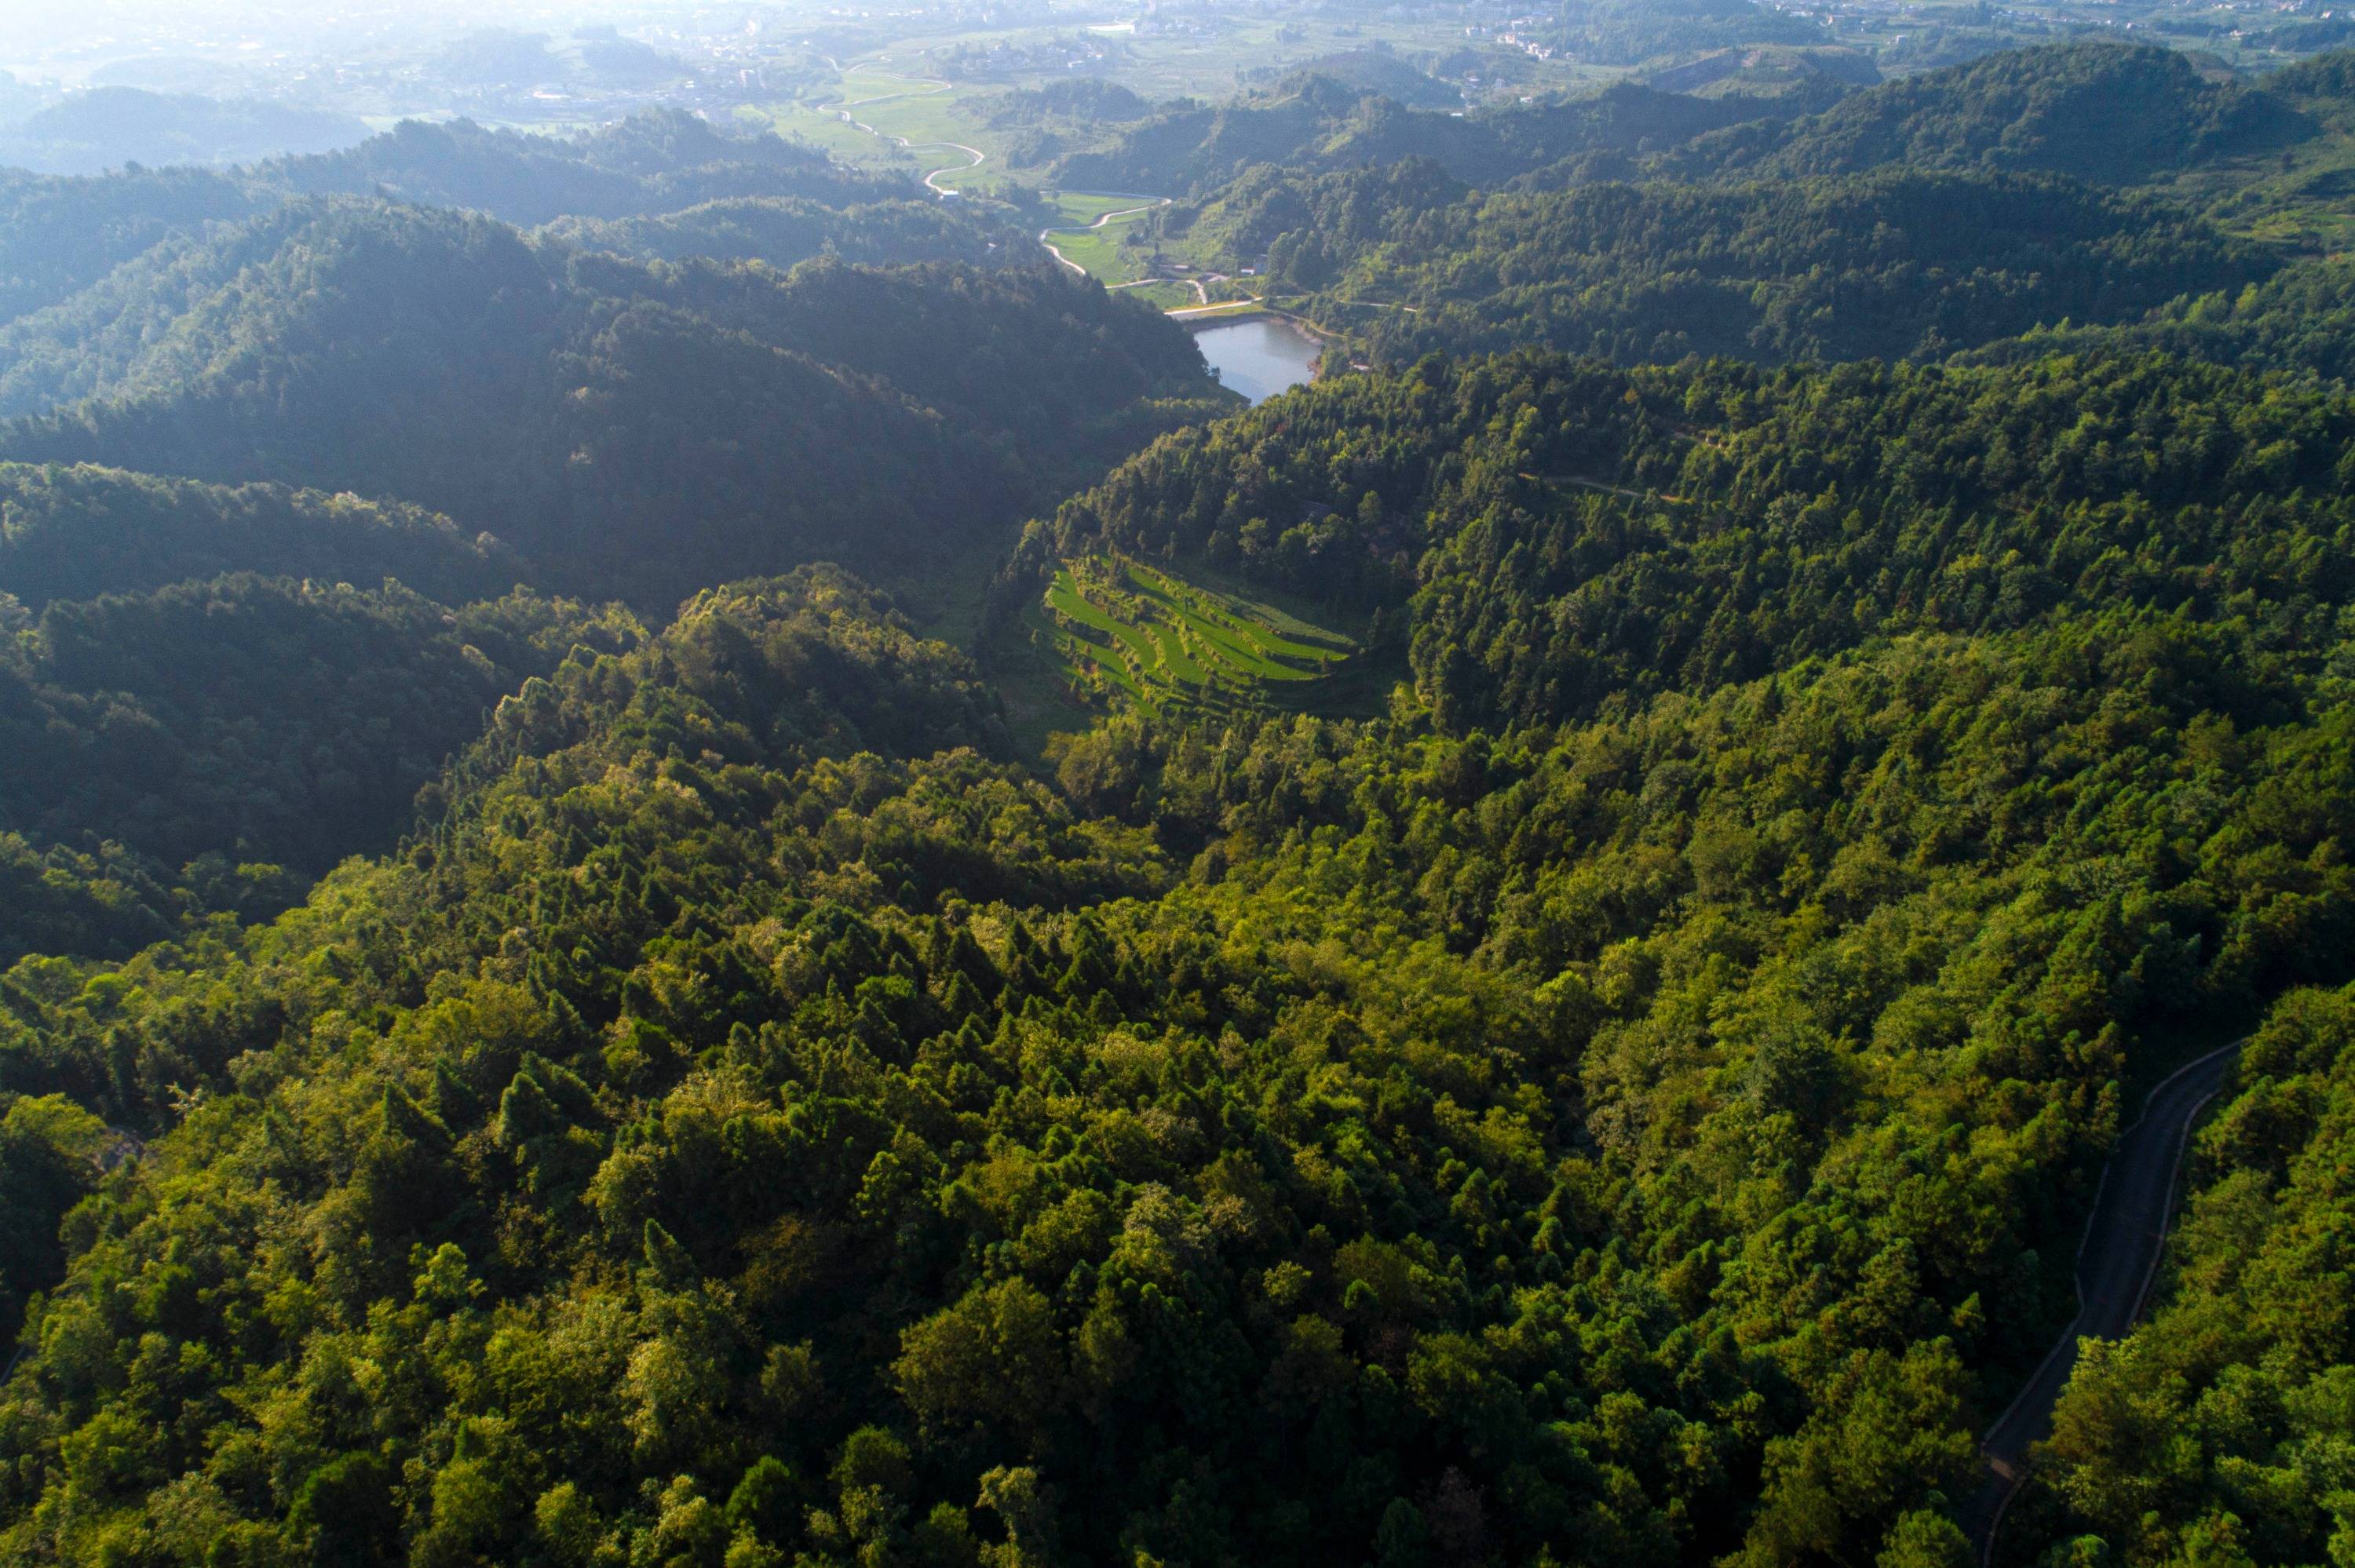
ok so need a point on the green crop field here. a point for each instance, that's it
(1177, 647)
(919, 111)
(1099, 253)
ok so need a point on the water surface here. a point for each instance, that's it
(1259, 356)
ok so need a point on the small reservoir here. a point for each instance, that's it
(1259, 356)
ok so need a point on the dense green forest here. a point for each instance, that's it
(1568, 532)
(2056, 191)
(1886, 265)
(260, 712)
(225, 736)
(584, 408)
(1612, 1113)
(2104, 112)
(75, 533)
(782, 231)
(2108, 112)
(2299, 320)
(582, 982)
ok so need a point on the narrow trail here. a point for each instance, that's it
(2115, 1263)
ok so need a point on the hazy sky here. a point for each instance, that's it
(66, 40)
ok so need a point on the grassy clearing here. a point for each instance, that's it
(1163, 296)
(925, 118)
(1098, 251)
(1075, 207)
(824, 129)
(1172, 646)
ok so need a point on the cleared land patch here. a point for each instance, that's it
(1176, 647)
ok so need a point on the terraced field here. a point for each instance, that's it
(1176, 647)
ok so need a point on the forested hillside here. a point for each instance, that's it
(258, 720)
(1614, 1108)
(1316, 123)
(2061, 189)
(1886, 265)
(782, 231)
(2301, 319)
(2109, 112)
(76, 532)
(583, 408)
(1566, 534)
(702, 866)
(661, 161)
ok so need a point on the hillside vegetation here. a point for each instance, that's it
(1317, 123)
(587, 408)
(2061, 189)
(2218, 1426)
(1177, 648)
(1886, 265)
(2116, 114)
(776, 1126)
(75, 533)
(665, 911)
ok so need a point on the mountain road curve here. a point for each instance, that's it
(2124, 1237)
(1101, 219)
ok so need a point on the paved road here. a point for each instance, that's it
(929, 87)
(1099, 223)
(2115, 1264)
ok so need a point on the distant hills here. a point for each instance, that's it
(2110, 112)
(58, 235)
(1318, 122)
(106, 127)
(2099, 186)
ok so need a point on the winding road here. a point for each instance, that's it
(932, 178)
(2115, 1264)
(1102, 218)
(921, 87)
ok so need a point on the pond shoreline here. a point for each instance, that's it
(1259, 353)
